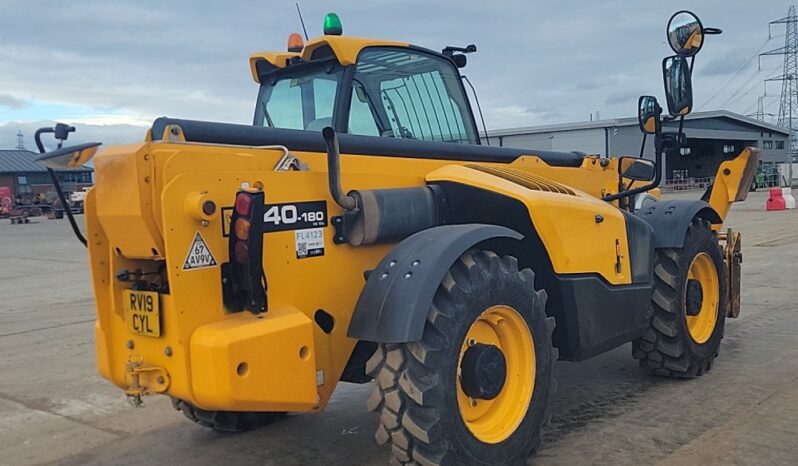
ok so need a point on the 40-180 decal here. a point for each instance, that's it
(294, 216)
(286, 216)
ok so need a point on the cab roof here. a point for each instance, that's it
(344, 48)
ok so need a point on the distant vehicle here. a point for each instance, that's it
(77, 198)
(6, 201)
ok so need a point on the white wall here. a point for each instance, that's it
(590, 141)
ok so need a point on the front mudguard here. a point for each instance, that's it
(670, 219)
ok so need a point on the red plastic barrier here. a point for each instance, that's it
(776, 200)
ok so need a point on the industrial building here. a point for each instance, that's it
(20, 172)
(711, 137)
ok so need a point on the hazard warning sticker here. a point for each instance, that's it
(199, 255)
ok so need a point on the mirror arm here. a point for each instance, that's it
(643, 146)
(67, 209)
(37, 136)
(650, 186)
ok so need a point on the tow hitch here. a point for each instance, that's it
(143, 379)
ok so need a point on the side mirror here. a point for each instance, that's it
(678, 85)
(69, 157)
(637, 169)
(686, 33)
(648, 114)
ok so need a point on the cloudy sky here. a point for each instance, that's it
(111, 67)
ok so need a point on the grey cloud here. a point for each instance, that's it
(107, 134)
(188, 59)
(623, 96)
(9, 101)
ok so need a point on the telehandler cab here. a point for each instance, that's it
(358, 230)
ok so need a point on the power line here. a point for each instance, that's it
(756, 104)
(737, 73)
(731, 98)
(788, 107)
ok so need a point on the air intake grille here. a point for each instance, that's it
(525, 179)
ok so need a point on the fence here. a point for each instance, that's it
(689, 184)
(686, 184)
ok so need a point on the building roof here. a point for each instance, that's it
(632, 121)
(23, 161)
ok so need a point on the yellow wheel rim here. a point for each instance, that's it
(702, 324)
(493, 421)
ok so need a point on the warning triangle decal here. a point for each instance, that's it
(199, 255)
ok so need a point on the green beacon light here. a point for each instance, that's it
(332, 25)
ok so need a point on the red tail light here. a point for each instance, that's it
(246, 251)
(243, 203)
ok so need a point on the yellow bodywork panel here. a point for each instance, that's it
(124, 183)
(345, 48)
(733, 181)
(575, 240)
(278, 59)
(144, 214)
(255, 355)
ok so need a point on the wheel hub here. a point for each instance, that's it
(702, 298)
(483, 371)
(694, 298)
(500, 365)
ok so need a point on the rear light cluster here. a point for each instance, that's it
(246, 250)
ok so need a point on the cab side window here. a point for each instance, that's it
(402, 93)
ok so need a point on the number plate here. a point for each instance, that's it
(294, 216)
(142, 312)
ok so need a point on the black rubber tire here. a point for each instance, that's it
(415, 383)
(666, 348)
(225, 421)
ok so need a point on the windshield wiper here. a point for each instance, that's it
(381, 127)
(268, 118)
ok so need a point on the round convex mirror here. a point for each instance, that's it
(685, 33)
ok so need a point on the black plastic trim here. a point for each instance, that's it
(640, 237)
(596, 317)
(343, 101)
(311, 141)
(394, 304)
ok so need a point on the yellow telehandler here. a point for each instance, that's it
(359, 231)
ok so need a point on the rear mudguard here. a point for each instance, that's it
(670, 219)
(394, 304)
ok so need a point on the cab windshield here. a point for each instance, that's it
(299, 97)
(404, 93)
(395, 93)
